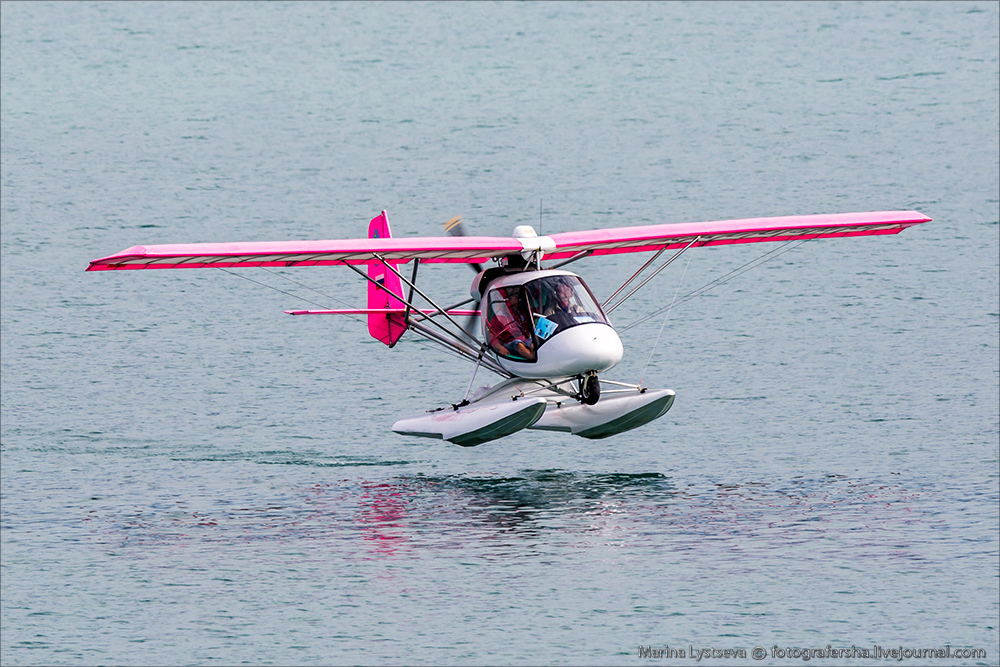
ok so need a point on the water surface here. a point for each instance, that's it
(190, 476)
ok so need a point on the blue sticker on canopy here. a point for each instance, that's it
(545, 327)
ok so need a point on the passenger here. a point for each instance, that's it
(521, 345)
(508, 333)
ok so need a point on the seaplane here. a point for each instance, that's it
(541, 329)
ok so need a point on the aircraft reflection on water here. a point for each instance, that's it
(537, 513)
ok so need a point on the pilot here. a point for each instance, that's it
(563, 309)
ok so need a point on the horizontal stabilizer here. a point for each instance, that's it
(384, 311)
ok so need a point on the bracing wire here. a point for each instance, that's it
(667, 317)
(311, 289)
(276, 289)
(418, 342)
(754, 263)
(785, 247)
(441, 348)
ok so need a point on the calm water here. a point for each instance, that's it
(191, 476)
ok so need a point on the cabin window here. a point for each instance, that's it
(561, 302)
(508, 324)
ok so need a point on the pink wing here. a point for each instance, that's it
(478, 249)
(723, 232)
(475, 249)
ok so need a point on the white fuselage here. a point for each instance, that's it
(547, 324)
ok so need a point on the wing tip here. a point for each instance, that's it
(117, 261)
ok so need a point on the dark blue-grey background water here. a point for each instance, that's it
(191, 476)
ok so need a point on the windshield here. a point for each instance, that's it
(520, 318)
(560, 302)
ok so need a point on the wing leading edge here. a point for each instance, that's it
(725, 232)
(307, 253)
(479, 249)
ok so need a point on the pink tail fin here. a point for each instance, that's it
(388, 327)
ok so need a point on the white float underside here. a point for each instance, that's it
(474, 424)
(611, 415)
(517, 404)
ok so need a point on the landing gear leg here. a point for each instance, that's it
(590, 388)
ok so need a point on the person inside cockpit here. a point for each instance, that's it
(562, 308)
(509, 333)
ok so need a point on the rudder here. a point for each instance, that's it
(386, 327)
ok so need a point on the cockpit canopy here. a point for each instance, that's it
(520, 318)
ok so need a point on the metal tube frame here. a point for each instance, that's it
(579, 255)
(620, 384)
(553, 386)
(409, 299)
(478, 343)
(625, 284)
(461, 348)
(653, 274)
(426, 316)
(475, 370)
(409, 303)
(475, 354)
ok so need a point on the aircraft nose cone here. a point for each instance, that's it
(583, 348)
(606, 349)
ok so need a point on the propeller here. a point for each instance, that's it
(455, 227)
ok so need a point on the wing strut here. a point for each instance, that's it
(409, 299)
(450, 340)
(579, 255)
(476, 343)
(752, 264)
(665, 318)
(458, 347)
(651, 276)
(410, 303)
(625, 284)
